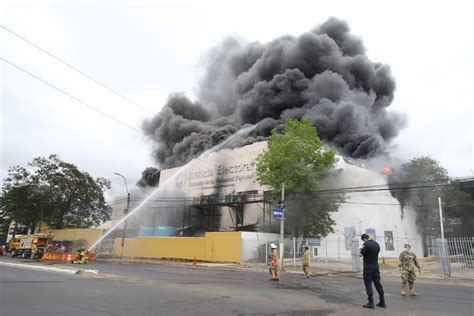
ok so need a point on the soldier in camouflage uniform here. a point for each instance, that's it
(407, 265)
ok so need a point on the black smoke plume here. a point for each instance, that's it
(150, 177)
(323, 74)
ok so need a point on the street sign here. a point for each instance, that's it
(315, 242)
(277, 212)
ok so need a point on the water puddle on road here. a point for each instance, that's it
(331, 293)
(317, 312)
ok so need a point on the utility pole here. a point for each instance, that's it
(443, 252)
(125, 211)
(441, 218)
(282, 225)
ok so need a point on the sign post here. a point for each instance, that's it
(277, 213)
(282, 226)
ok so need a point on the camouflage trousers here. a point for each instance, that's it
(408, 277)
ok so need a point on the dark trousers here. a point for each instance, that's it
(373, 275)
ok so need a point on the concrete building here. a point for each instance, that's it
(220, 193)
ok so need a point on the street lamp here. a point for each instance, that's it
(125, 211)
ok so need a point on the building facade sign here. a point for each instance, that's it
(220, 176)
(225, 172)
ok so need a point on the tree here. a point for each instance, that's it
(419, 183)
(56, 193)
(296, 157)
(22, 198)
(4, 221)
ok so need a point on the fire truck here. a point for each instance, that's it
(28, 246)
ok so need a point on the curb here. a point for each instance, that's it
(40, 268)
(48, 269)
(328, 273)
(187, 265)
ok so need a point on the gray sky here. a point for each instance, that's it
(148, 49)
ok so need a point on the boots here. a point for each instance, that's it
(382, 302)
(403, 290)
(370, 303)
(412, 292)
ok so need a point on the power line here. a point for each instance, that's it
(190, 199)
(90, 78)
(398, 204)
(76, 69)
(73, 97)
(358, 189)
(346, 190)
(87, 76)
(86, 104)
(384, 187)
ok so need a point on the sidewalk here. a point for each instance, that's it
(389, 270)
(333, 269)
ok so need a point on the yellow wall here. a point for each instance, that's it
(89, 234)
(216, 247)
(223, 246)
(162, 247)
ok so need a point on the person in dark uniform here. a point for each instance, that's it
(370, 252)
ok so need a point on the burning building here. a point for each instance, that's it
(220, 193)
(323, 75)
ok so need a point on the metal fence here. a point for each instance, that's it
(455, 256)
(325, 252)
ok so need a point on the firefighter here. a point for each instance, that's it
(306, 256)
(273, 262)
(34, 249)
(81, 257)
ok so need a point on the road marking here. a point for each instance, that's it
(41, 268)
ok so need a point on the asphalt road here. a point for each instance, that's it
(169, 290)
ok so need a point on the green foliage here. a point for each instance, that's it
(4, 221)
(297, 158)
(424, 171)
(22, 197)
(309, 215)
(56, 193)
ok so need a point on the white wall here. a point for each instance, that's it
(374, 209)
